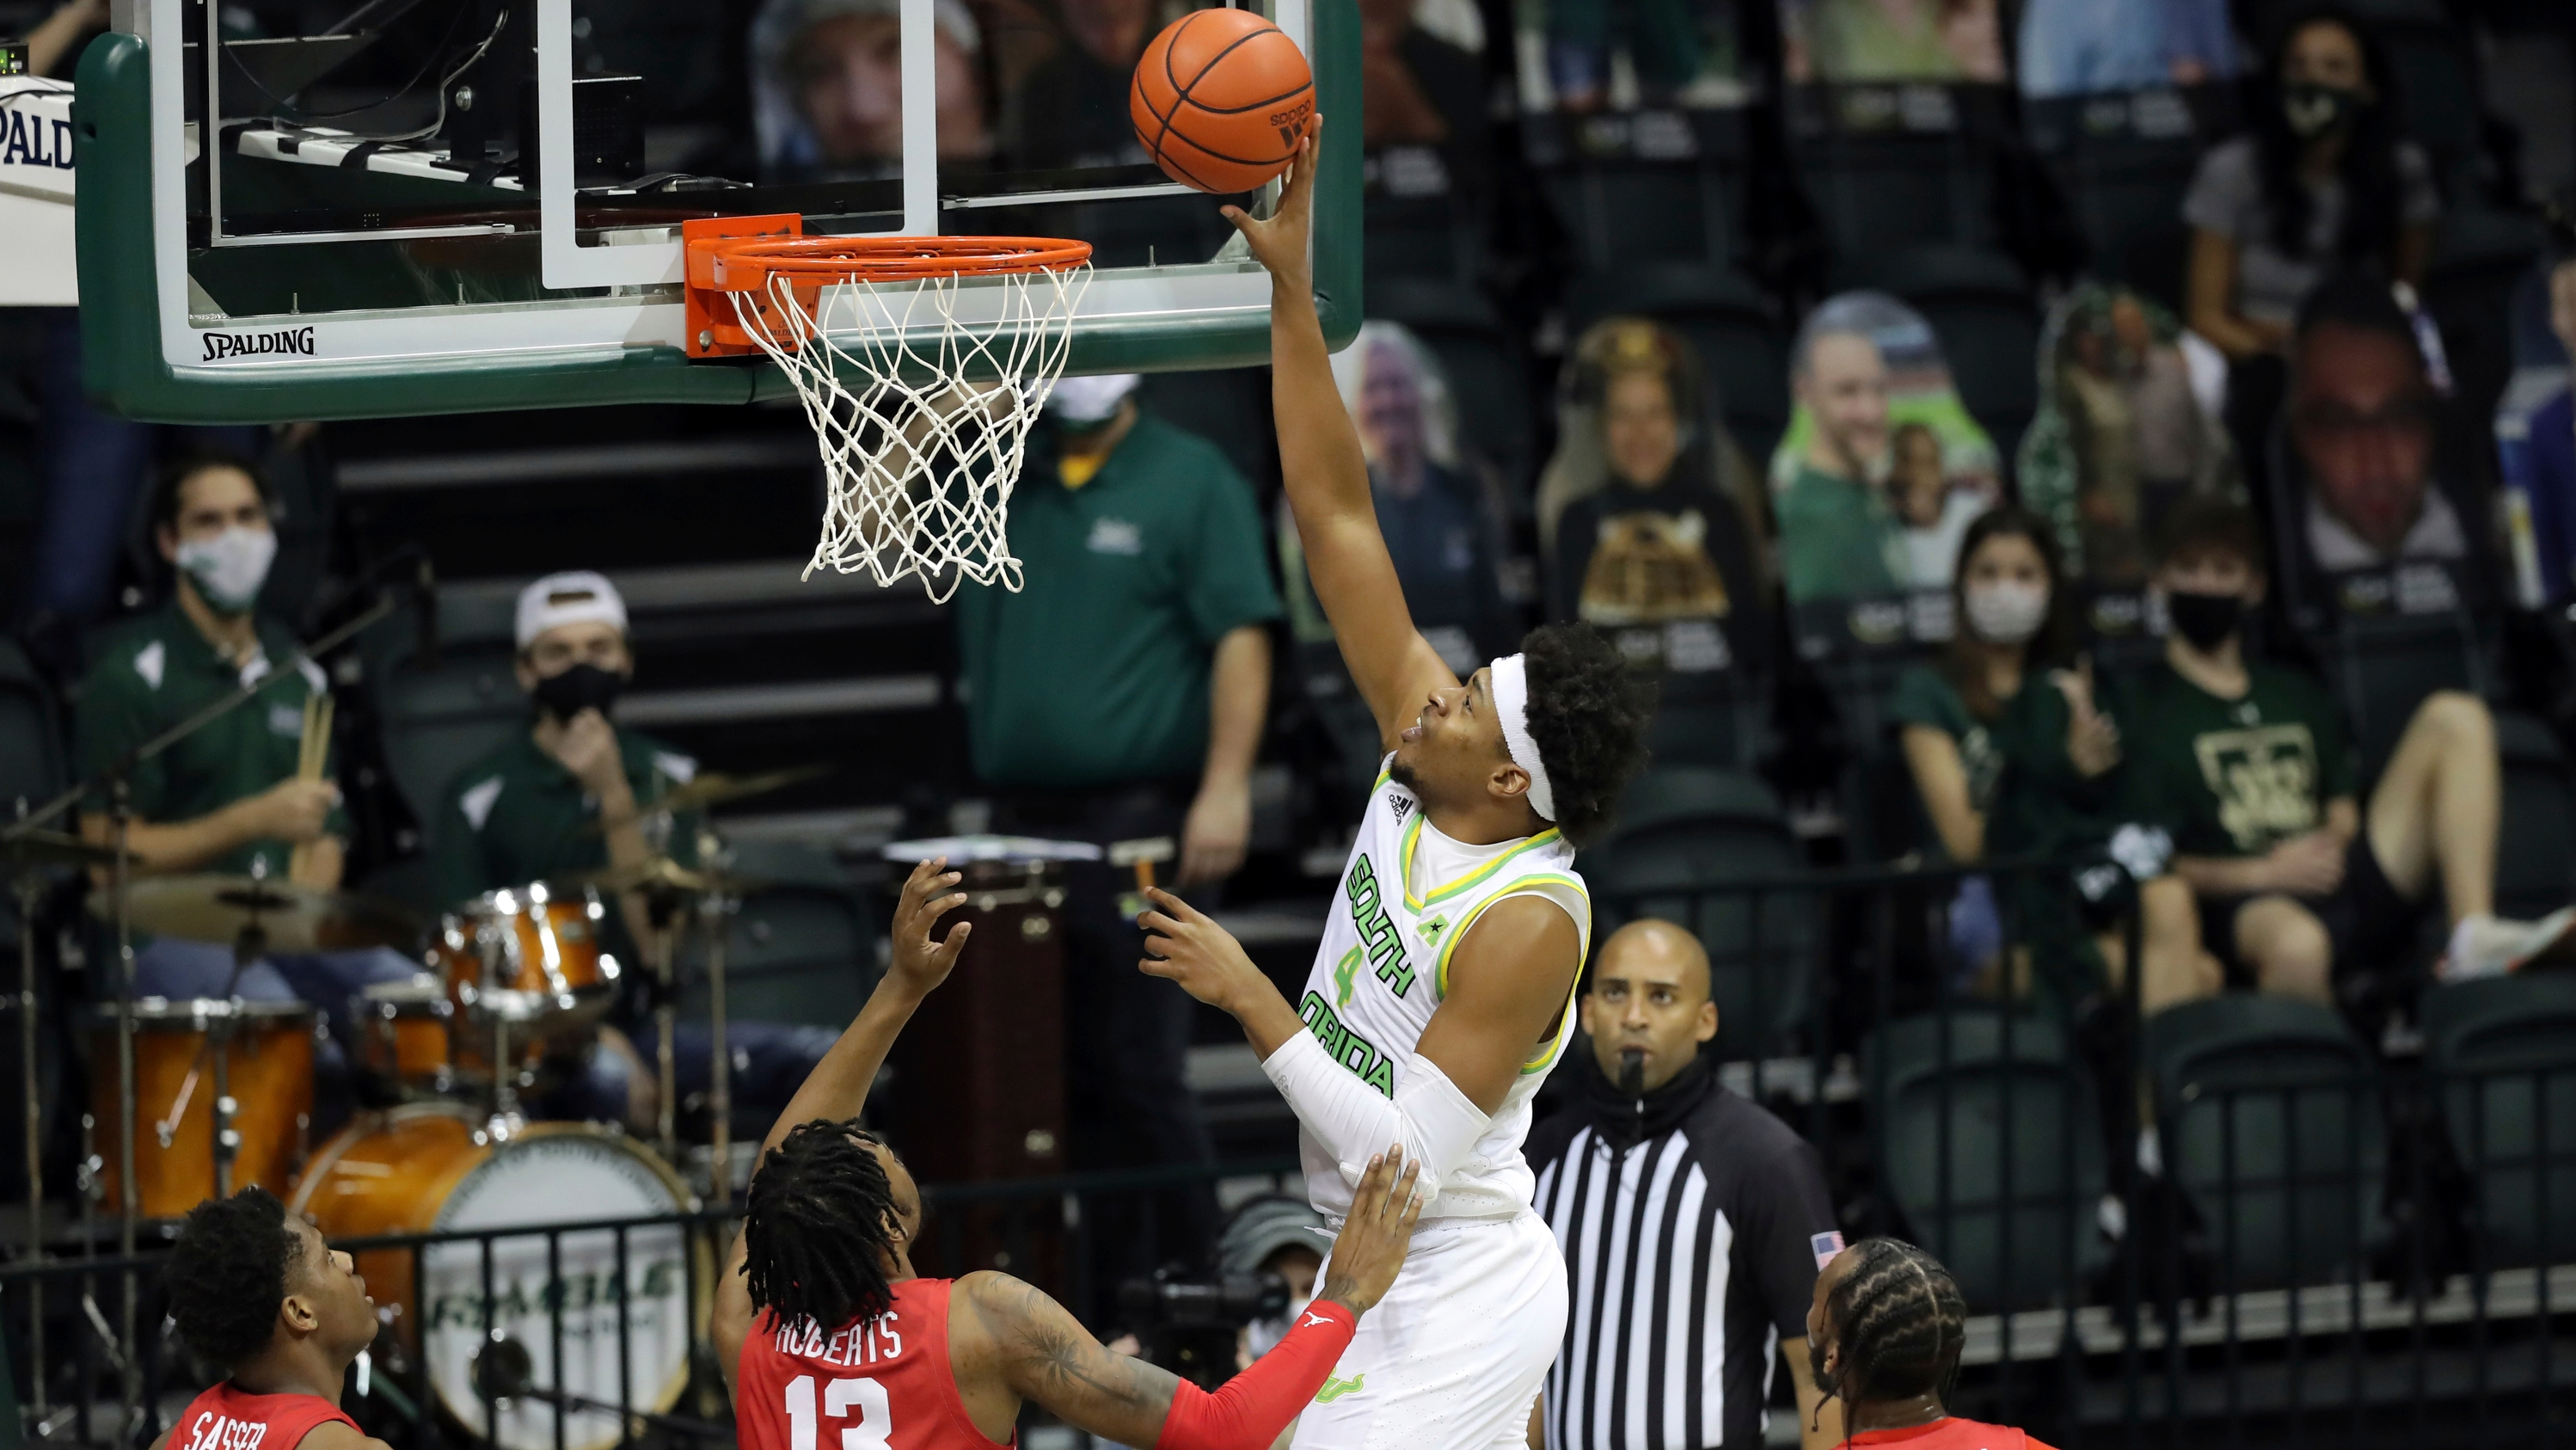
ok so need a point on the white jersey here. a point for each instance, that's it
(1406, 898)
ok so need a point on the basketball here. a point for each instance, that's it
(1220, 98)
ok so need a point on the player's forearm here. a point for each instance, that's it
(1428, 1116)
(1321, 465)
(1248, 1411)
(837, 1089)
(1238, 699)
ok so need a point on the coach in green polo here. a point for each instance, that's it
(1119, 695)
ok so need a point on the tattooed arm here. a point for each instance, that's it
(1036, 1350)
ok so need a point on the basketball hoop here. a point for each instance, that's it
(921, 362)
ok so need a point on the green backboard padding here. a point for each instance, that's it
(124, 367)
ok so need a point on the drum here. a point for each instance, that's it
(267, 1076)
(403, 1034)
(529, 953)
(427, 1167)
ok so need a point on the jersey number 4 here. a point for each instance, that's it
(841, 1399)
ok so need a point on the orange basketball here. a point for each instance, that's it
(1220, 98)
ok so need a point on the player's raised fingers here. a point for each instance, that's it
(1180, 910)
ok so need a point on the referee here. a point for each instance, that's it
(1693, 1224)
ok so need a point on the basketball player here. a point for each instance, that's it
(1443, 991)
(1883, 1337)
(257, 1294)
(820, 1318)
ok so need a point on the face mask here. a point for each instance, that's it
(2314, 110)
(229, 568)
(2006, 612)
(2205, 620)
(581, 687)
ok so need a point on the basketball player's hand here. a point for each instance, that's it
(1280, 243)
(1374, 1238)
(1184, 944)
(921, 963)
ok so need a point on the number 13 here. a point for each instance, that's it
(876, 1417)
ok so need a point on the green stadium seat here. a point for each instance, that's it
(2269, 1117)
(1683, 835)
(2501, 1055)
(2383, 667)
(801, 949)
(1488, 376)
(439, 721)
(2536, 844)
(2009, 1110)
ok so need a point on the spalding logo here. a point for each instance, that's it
(296, 341)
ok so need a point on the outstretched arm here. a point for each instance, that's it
(1326, 476)
(1028, 1341)
(838, 1087)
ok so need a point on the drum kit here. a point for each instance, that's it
(207, 1095)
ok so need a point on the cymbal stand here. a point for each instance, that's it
(662, 911)
(31, 893)
(716, 915)
(505, 1121)
(128, 1193)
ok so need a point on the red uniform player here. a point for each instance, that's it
(831, 1342)
(1883, 1337)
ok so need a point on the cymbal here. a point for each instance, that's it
(715, 788)
(293, 918)
(661, 873)
(52, 848)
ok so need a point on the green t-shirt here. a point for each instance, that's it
(518, 816)
(1836, 538)
(2232, 778)
(158, 670)
(1925, 696)
(1096, 671)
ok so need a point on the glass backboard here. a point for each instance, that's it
(435, 206)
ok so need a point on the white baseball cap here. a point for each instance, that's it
(573, 597)
(1091, 399)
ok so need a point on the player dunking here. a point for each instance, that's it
(1442, 993)
(828, 1338)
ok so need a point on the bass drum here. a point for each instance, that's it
(427, 1168)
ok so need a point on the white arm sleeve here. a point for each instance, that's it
(1434, 1121)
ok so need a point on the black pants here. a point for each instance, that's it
(1127, 1038)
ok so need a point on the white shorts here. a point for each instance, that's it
(1455, 1353)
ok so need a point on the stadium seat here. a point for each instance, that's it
(2269, 1116)
(439, 721)
(2479, 258)
(1881, 192)
(2383, 667)
(2125, 192)
(2536, 845)
(1988, 1142)
(1683, 837)
(1980, 306)
(2501, 1054)
(1623, 214)
(1488, 374)
(1729, 322)
(801, 949)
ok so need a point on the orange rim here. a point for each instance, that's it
(748, 262)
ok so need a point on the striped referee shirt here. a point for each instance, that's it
(1693, 1224)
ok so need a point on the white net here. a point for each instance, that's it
(919, 459)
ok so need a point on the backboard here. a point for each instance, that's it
(504, 230)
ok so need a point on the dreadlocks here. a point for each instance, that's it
(1899, 1322)
(818, 1227)
(227, 1275)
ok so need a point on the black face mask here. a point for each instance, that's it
(2314, 110)
(578, 688)
(2205, 620)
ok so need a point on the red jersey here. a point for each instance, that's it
(1951, 1433)
(224, 1418)
(878, 1384)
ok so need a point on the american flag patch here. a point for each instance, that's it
(1826, 1246)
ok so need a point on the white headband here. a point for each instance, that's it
(1510, 685)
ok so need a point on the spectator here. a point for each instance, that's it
(228, 797)
(2324, 181)
(2551, 489)
(574, 793)
(1847, 41)
(2120, 436)
(1884, 1334)
(827, 85)
(1071, 111)
(2362, 423)
(1644, 534)
(2245, 764)
(1673, 52)
(2089, 47)
(1283, 1236)
(1864, 366)
(1119, 695)
(1666, 1189)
